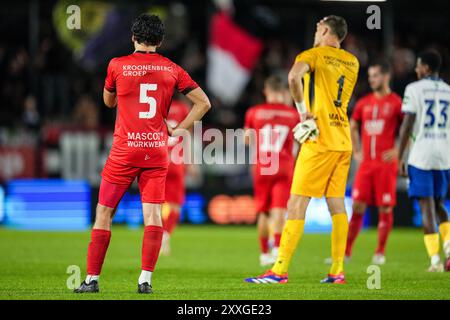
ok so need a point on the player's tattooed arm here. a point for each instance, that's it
(200, 106)
(298, 70)
(109, 98)
(405, 132)
(295, 76)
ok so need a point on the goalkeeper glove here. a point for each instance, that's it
(306, 130)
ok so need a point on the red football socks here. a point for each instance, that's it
(353, 230)
(264, 244)
(385, 221)
(97, 250)
(151, 246)
(276, 240)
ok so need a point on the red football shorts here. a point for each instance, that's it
(376, 183)
(117, 178)
(175, 190)
(271, 191)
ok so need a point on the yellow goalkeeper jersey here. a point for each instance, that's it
(327, 91)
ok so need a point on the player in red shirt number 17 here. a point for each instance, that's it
(141, 85)
(272, 124)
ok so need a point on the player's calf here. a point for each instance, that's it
(165, 245)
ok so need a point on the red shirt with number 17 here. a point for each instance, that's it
(145, 83)
(273, 124)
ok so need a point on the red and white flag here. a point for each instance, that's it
(232, 54)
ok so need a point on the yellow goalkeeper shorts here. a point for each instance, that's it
(321, 173)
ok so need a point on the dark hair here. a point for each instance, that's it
(338, 26)
(275, 83)
(384, 65)
(148, 29)
(432, 59)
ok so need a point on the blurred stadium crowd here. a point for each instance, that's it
(56, 88)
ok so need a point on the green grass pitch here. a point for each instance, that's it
(210, 262)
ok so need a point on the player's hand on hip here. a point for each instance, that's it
(169, 128)
(306, 130)
(390, 155)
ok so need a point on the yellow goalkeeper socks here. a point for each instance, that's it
(292, 232)
(338, 242)
(444, 230)
(432, 244)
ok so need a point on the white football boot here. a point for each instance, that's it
(436, 265)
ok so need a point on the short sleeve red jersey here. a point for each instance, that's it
(272, 125)
(177, 112)
(380, 120)
(145, 84)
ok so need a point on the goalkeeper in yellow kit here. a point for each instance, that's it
(329, 75)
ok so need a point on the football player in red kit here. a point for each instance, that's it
(272, 124)
(141, 85)
(175, 189)
(377, 117)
